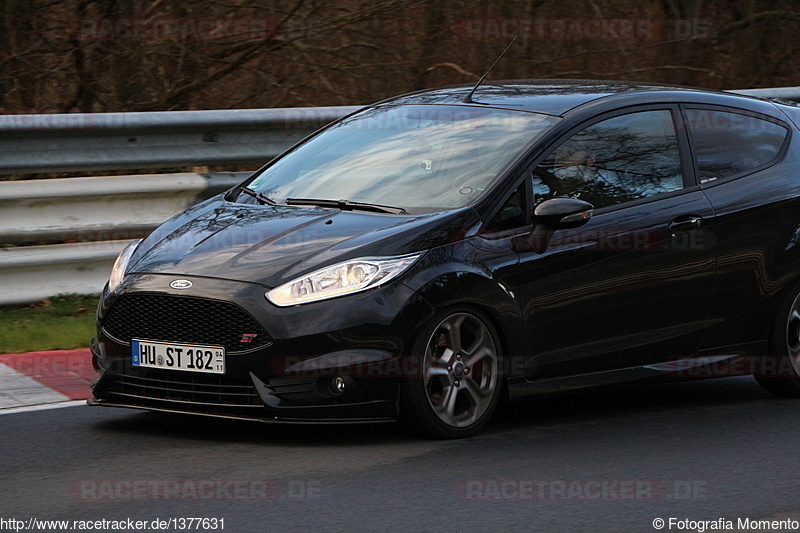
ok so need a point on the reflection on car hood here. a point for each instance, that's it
(271, 245)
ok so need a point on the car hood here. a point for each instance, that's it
(271, 245)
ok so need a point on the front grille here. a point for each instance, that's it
(184, 319)
(177, 387)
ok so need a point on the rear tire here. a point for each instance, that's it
(458, 376)
(785, 346)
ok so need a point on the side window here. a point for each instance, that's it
(614, 161)
(729, 144)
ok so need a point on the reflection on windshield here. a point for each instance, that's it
(410, 156)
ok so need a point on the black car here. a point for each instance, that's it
(429, 254)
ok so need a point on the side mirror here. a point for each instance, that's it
(556, 214)
(562, 213)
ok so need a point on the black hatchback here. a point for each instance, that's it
(430, 254)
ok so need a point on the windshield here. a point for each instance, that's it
(411, 156)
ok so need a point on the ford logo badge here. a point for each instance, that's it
(181, 284)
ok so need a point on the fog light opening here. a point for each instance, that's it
(338, 386)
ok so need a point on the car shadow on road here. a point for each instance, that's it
(189, 427)
(629, 402)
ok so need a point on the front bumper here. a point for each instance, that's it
(359, 341)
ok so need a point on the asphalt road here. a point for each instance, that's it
(602, 462)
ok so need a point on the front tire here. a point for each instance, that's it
(458, 378)
(785, 345)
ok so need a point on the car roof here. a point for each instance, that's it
(549, 96)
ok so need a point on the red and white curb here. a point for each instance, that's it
(44, 380)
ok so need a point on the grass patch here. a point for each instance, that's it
(59, 323)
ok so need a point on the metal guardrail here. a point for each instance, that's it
(100, 208)
(62, 235)
(782, 93)
(38, 272)
(91, 220)
(114, 141)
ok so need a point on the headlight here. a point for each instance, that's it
(121, 265)
(337, 280)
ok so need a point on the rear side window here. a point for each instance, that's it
(730, 144)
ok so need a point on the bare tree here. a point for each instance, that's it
(117, 55)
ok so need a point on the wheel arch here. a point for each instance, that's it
(781, 298)
(478, 292)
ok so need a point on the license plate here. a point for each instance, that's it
(176, 356)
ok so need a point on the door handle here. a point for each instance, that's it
(685, 223)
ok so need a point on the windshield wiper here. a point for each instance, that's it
(259, 196)
(346, 205)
